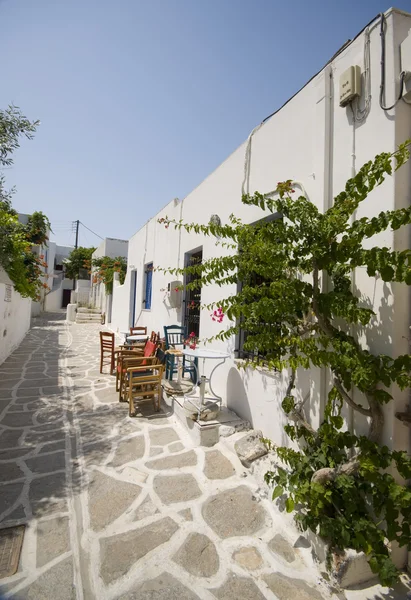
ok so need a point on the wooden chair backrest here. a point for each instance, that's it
(175, 335)
(106, 340)
(138, 330)
(155, 337)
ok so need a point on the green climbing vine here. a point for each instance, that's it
(105, 267)
(298, 310)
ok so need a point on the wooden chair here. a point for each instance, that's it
(138, 330)
(129, 362)
(106, 348)
(144, 386)
(120, 356)
(175, 337)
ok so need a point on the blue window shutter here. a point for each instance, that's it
(149, 281)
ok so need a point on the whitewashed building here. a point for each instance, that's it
(318, 144)
(112, 248)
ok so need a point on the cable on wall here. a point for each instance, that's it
(360, 114)
(402, 74)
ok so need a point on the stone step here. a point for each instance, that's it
(91, 311)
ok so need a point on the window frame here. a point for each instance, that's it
(148, 286)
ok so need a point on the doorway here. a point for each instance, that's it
(133, 298)
(192, 297)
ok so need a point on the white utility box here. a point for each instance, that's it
(175, 293)
(350, 85)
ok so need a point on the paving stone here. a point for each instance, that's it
(250, 447)
(53, 539)
(163, 587)
(198, 556)
(96, 453)
(119, 553)
(10, 471)
(176, 447)
(162, 437)
(285, 588)
(47, 463)
(51, 447)
(10, 438)
(233, 513)
(186, 514)
(236, 587)
(155, 451)
(57, 582)
(50, 414)
(249, 558)
(54, 426)
(188, 459)
(48, 494)
(217, 466)
(108, 499)
(38, 437)
(18, 514)
(280, 546)
(176, 488)
(9, 494)
(128, 450)
(146, 509)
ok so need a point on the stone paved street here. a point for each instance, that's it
(127, 508)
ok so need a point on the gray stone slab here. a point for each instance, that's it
(38, 437)
(108, 499)
(186, 514)
(47, 463)
(187, 459)
(10, 471)
(163, 587)
(236, 587)
(281, 547)
(49, 414)
(146, 509)
(285, 588)
(176, 488)
(234, 513)
(9, 494)
(119, 553)
(250, 447)
(249, 558)
(198, 556)
(128, 450)
(176, 447)
(48, 494)
(56, 583)
(53, 539)
(155, 451)
(217, 466)
(162, 437)
(10, 438)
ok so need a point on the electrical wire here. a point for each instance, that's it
(402, 74)
(360, 114)
(99, 236)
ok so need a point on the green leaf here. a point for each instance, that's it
(289, 505)
(278, 491)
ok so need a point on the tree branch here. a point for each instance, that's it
(349, 400)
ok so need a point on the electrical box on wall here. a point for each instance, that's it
(350, 85)
(176, 293)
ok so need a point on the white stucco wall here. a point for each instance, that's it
(113, 248)
(314, 141)
(14, 317)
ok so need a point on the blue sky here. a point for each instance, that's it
(140, 100)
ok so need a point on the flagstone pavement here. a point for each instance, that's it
(120, 508)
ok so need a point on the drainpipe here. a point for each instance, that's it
(328, 189)
(179, 234)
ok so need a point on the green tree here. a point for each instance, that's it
(17, 240)
(298, 310)
(78, 262)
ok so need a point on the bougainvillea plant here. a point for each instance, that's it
(18, 255)
(297, 307)
(105, 269)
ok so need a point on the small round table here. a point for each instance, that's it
(205, 354)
